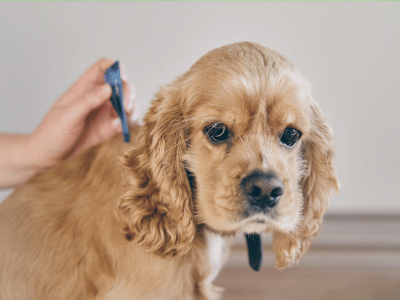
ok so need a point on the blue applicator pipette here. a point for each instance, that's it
(113, 78)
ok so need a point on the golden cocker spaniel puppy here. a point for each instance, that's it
(235, 144)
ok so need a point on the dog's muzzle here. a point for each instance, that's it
(262, 191)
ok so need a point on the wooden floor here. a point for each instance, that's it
(310, 283)
(355, 257)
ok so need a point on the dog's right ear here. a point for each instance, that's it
(156, 206)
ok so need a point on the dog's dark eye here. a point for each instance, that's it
(290, 136)
(217, 132)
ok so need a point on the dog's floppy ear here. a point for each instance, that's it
(156, 206)
(318, 183)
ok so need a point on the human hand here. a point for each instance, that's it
(81, 118)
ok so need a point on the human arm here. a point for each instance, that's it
(79, 119)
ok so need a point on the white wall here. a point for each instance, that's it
(349, 51)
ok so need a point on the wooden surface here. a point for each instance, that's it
(355, 257)
(303, 283)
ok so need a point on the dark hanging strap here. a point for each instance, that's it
(254, 248)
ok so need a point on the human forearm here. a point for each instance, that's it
(17, 164)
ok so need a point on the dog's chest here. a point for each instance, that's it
(174, 285)
(217, 251)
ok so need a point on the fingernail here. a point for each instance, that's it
(129, 106)
(116, 122)
(132, 97)
(123, 73)
(135, 114)
(106, 89)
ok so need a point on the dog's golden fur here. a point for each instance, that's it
(125, 222)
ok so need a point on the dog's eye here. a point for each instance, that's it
(217, 132)
(290, 136)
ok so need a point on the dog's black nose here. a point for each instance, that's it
(262, 189)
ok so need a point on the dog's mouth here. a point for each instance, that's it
(253, 240)
(258, 221)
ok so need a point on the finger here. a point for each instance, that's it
(95, 76)
(128, 88)
(99, 131)
(96, 72)
(123, 73)
(92, 76)
(111, 111)
(129, 98)
(92, 100)
(116, 125)
(135, 114)
(89, 80)
(129, 95)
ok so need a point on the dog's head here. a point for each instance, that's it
(236, 143)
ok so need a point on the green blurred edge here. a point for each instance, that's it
(200, 1)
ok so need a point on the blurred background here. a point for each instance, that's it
(348, 50)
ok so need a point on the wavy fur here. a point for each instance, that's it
(318, 184)
(157, 204)
(125, 222)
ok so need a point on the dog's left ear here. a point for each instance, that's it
(157, 206)
(318, 183)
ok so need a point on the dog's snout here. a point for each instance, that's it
(262, 190)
